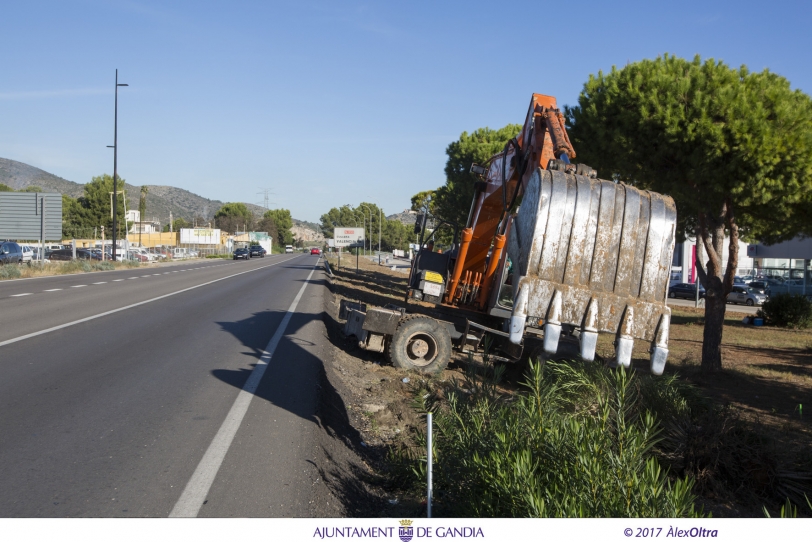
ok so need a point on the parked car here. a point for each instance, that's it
(256, 250)
(28, 253)
(760, 286)
(10, 252)
(242, 253)
(138, 256)
(685, 290)
(748, 296)
(66, 255)
(315, 251)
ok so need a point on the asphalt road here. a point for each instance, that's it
(139, 411)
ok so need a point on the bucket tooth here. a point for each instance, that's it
(659, 348)
(552, 325)
(519, 317)
(625, 340)
(589, 331)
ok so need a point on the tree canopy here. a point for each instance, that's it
(733, 148)
(283, 223)
(452, 201)
(393, 233)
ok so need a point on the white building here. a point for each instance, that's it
(683, 264)
(147, 226)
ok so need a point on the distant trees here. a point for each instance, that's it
(393, 233)
(234, 217)
(82, 217)
(283, 223)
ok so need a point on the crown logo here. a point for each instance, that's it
(406, 522)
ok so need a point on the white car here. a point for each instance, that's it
(28, 253)
(288, 248)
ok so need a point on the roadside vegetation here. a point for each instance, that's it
(568, 438)
(61, 268)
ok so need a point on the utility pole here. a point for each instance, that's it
(115, 162)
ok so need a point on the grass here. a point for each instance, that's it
(60, 268)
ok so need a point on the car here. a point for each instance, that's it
(315, 251)
(66, 255)
(746, 295)
(242, 253)
(28, 253)
(256, 250)
(685, 290)
(760, 286)
(288, 248)
(10, 252)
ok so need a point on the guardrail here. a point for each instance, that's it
(327, 268)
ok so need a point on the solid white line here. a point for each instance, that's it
(191, 500)
(79, 286)
(89, 318)
(54, 290)
(19, 295)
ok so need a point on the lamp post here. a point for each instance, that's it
(370, 226)
(114, 146)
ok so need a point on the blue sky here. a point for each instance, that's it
(327, 103)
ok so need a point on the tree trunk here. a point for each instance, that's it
(718, 281)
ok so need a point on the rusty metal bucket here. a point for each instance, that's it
(596, 255)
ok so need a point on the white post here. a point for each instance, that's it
(429, 464)
(42, 230)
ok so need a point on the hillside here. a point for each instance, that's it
(407, 217)
(161, 199)
(19, 176)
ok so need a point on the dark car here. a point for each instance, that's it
(10, 252)
(684, 290)
(256, 250)
(241, 253)
(66, 255)
(315, 251)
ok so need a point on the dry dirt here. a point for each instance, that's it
(767, 379)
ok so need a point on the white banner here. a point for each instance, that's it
(199, 236)
(406, 530)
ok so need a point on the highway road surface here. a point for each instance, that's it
(166, 390)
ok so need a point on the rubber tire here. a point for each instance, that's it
(749, 303)
(672, 295)
(438, 338)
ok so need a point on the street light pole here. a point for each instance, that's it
(370, 227)
(115, 164)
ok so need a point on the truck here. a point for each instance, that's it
(550, 257)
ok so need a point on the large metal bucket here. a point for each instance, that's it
(597, 255)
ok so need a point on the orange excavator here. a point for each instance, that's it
(549, 251)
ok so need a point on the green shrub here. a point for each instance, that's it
(9, 271)
(578, 442)
(787, 310)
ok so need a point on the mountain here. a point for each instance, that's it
(161, 199)
(19, 176)
(407, 217)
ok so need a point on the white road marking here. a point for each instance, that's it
(132, 278)
(193, 496)
(79, 286)
(19, 295)
(89, 318)
(54, 290)
(118, 280)
(156, 274)
(99, 283)
(144, 276)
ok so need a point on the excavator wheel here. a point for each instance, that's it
(420, 344)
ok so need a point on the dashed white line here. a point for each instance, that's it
(53, 290)
(19, 295)
(132, 278)
(145, 276)
(79, 286)
(156, 274)
(118, 280)
(99, 283)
